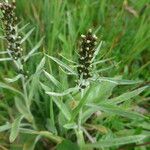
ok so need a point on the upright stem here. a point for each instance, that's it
(79, 133)
(25, 91)
(27, 100)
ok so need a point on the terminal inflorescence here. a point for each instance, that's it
(9, 20)
(86, 53)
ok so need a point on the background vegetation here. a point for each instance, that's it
(124, 28)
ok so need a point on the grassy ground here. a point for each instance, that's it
(124, 28)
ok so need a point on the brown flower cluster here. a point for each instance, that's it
(86, 52)
(9, 20)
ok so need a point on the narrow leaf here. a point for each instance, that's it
(71, 126)
(5, 59)
(68, 59)
(22, 28)
(41, 65)
(34, 49)
(13, 79)
(104, 69)
(62, 64)
(5, 127)
(82, 102)
(101, 61)
(63, 108)
(87, 114)
(3, 52)
(23, 109)
(27, 35)
(45, 87)
(97, 50)
(68, 91)
(15, 129)
(111, 109)
(30, 144)
(5, 86)
(116, 141)
(49, 135)
(127, 96)
(52, 78)
(118, 81)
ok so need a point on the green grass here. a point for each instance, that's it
(113, 113)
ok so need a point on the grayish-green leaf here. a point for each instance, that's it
(66, 72)
(23, 109)
(33, 50)
(5, 127)
(112, 109)
(13, 79)
(33, 86)
(49, 135)
(87, 114)
(45, 87)
(22, 28)
(5, 86)
(97, 50)
(127, 96)
(100, 91)
(68, 59)
(118, 81)
(104, 69)
(5, 59)
(102, 61)
(62, 64)
(63, 108)
(15, 129)
(68, 91)
(52, 78)
(116, 141)
(27, 35)
(71, 126)
(3, 52)
(82, 102)
(41, 65)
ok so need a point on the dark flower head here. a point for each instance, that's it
(9, 20)
(86, 53)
